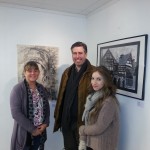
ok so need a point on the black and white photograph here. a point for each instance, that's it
(125, 59)
(47, 59)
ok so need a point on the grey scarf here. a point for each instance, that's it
(90, 102)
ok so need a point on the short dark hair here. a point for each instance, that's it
(31, 64)
(79, 44)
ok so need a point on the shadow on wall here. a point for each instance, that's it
(61, 70)
(55, 140)
(123, 129)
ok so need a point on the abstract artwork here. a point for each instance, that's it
(47, 58)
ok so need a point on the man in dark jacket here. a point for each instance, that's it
(72, 96)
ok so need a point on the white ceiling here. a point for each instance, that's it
(81, 7)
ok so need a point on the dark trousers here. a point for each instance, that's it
(71, 138)
(31, 148)
(34, 143)
(88, 148)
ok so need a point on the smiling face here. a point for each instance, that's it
(97, 81)
(31, 74)
(79, 56)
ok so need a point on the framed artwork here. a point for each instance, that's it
(47, 59)
(126, 60)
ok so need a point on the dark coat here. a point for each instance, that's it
(22, 125)
(82, 94)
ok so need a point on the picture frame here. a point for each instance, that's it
(46, 58)
(126, 60)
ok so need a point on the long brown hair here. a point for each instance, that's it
(109, 89)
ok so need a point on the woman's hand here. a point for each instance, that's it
(39, 130)
(82, 145)
(81, 130)
(42, 127)
(36, 132)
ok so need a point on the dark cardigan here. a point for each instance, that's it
(22, 125)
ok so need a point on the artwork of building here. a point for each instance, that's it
(123, 70)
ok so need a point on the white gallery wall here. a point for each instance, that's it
(33, 27)
(126, 18)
